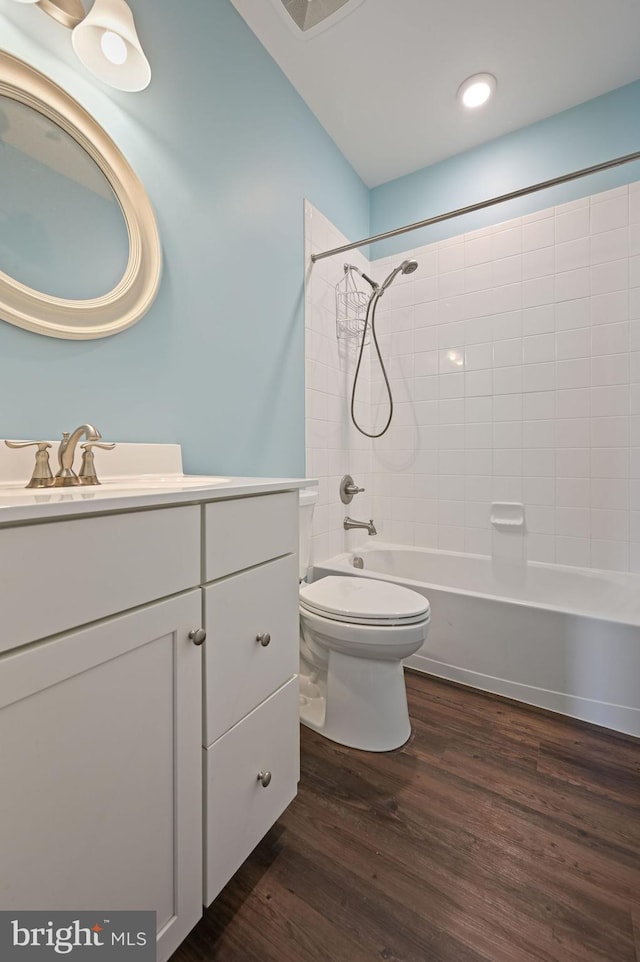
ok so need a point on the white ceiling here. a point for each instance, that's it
(381, 75)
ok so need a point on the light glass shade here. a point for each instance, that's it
(117, 60)
(26, 1)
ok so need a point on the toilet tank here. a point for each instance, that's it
(308, 498)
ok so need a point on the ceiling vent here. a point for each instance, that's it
(312, 16)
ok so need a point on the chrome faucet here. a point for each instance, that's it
(66, 476)
(369, 525)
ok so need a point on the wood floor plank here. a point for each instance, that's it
(364, 906)
(635, 914)
(570, 860)
(606, 774)
(460, 709)
(605, 824)
(496, 834)
(458, 852)
(260, 910)
(434, 888)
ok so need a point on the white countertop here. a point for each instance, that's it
(124, 486)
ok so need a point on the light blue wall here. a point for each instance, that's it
(227, 151)
(588, 134)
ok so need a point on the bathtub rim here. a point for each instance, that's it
(342, 563)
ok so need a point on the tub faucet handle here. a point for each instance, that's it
(348, 488)
(42, 476)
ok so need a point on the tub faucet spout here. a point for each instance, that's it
(66, 452)
(369, 525)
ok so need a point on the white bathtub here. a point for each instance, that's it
(566, 639)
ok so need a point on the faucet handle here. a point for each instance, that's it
(348, 488)
(42, 476)
(27, 444)
(107, 445)
(87, 473)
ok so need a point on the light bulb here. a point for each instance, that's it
(476, 90)
(476, 94)
(113, 47)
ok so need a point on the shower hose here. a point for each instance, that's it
(370, 321)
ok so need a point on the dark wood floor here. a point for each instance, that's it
(497, 834)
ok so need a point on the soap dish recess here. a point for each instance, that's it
(507, 514)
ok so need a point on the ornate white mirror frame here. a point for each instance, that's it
(134, 294)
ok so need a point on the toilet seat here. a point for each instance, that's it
(364, 601)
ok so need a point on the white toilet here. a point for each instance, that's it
(354, 633)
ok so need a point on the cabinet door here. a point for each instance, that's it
(239, 809)
(101, 790)
(240, 672)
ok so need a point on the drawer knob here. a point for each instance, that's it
(198, 636)
(264, 778)
(264, 638)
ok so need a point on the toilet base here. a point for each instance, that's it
(361, 704)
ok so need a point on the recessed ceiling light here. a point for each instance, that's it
(476, 90)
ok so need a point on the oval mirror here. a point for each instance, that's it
(79, 247)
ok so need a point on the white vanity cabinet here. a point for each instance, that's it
(251, 734)
(102, 728)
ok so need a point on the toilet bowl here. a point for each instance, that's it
(354, 633)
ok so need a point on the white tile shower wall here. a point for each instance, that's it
(514, 358)
(333, 446)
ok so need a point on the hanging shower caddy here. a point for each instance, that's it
(351, 306)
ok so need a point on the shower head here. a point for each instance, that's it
(407, 267)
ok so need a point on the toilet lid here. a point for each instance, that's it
(364, 601)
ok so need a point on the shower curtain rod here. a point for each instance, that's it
(513, 195)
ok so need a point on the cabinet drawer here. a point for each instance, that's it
(243, 532)
(239, 671)
(238, 809)
(57, 576)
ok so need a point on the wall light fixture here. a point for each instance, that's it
(105, 40)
